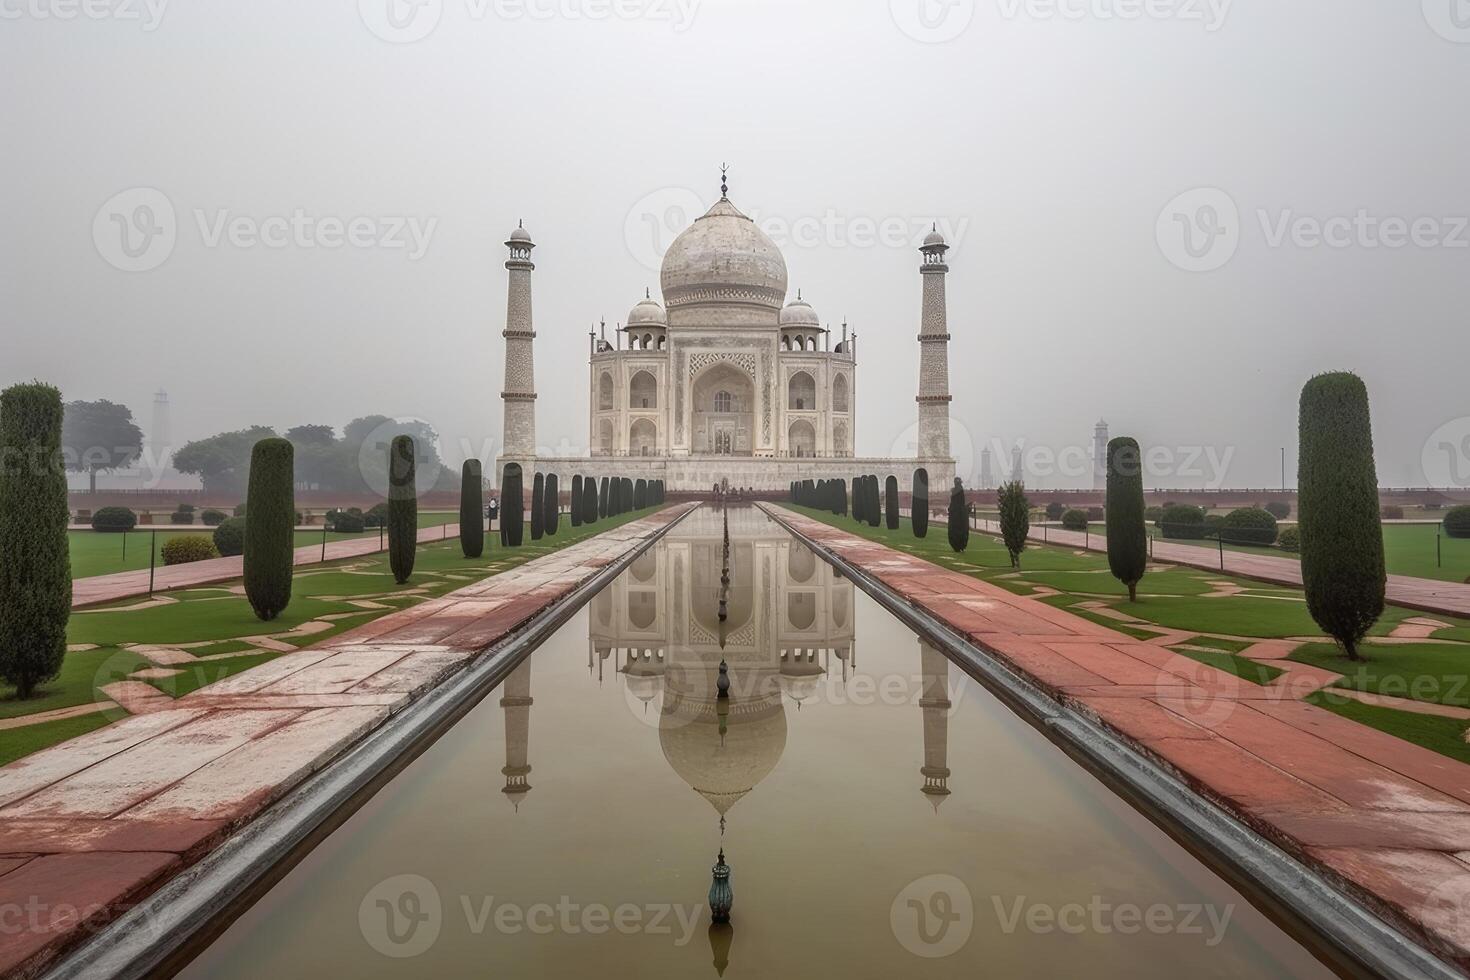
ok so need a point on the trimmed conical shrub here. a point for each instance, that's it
(35, 566)
(471, 510)
(575, 510)
(919, 506)
(538, 506)
(1341, 528)
(603, 502)
(873, 509)
(270, 528)
(551, 506)
(640, 495)
(589, 500)
(959, 517)
(512, 506)
(403, 509)
(1127, 526)
(890, 503)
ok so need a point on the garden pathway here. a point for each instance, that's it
(1386, 818)
(91, 826)
(1403, 590)
(98, 589)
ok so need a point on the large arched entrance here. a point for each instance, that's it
(802, 438)
(724, 412)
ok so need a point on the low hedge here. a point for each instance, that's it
(229, 537)
(1055, 510)
(349, 521)
(114, 519)
(1278, 509)
(181, 517)
(1075, 520)
(1290, 539)
(1249, 525)
(1457, 522)
(1392, 512)
(212, 518)
(188, 548)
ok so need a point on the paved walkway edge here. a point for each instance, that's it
(155, 932)
(1351, 929)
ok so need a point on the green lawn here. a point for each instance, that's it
(1242, 667)
(220, 619)
(1433, 672)
(1443, 735)
(96, 553)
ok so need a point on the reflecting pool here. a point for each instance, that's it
(880, 812)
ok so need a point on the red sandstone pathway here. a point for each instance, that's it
(99, 822)
(97, 589)
(1403, 590)
(1388, 819)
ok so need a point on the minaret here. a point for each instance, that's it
(934, 397)
(1100, 456)
(160, 440)
(987, 471)
(935, 703)
(516, 702)
(519, 395)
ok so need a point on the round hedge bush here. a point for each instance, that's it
(1457, 522)
(212, 518)
(114, 519)
(1278, 509)
(1055, 510)
(229, 537)
(350, 521)
(1249, 525)
(1075, 520)
(1290, 539)
(1183, 522)
(187, 548)
(1153, 514)
(1392, 512)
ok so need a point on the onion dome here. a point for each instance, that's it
(799, 313)
(648, 313)
(724, 259)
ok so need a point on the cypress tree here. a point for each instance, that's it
(890, 494)
(403, 509)
(471, 510)
(577, 503)
(270, 528)
(1127, 528)
(874, 508)
(1341, 526)
(603, 491)
(551, 512)
(959, 517)
(919, 507)
(538, 506)
(1015, 518)
(589, 500)
(35, 566)
(512, 506)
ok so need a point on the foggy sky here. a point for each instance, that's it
(1047, 141)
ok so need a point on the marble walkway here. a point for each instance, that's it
(97, 589)
(90, 826)
(1424, 594)
(1388, 820)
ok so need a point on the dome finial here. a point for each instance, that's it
(724, 181)
(647, 292)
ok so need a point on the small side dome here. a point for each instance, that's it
(933, 238)
(520, 234)
(799, 313)
(648, 313)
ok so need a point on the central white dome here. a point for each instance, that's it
(723, 259)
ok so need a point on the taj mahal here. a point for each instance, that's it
(725, 380)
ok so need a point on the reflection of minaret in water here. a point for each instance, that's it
(516, 702)
(935, 704)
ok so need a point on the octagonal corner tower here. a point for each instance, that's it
(723, 271)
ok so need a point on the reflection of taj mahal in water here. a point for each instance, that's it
(789, 630)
